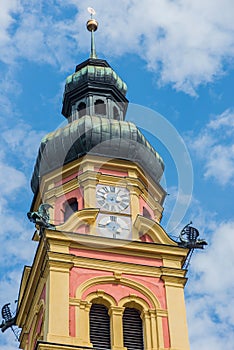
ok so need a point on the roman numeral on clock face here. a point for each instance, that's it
(114, 226)
(111, 198)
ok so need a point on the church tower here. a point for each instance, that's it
(105, 274)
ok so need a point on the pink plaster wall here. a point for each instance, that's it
(59, 204)
(35, 331)
(82, 229)
(78, 275)
(146, 238)
(43, 293)
(144, 204)
(155, 285)
(166, 335)
(116, 257)
(72, 321)
(39, 325)
(117, 291)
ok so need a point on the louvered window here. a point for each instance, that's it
(132, 329)
(99, 322)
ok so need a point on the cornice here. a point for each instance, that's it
(59, 191)
(41, 345)
(63, 262)
(137, 248)
(174, 281)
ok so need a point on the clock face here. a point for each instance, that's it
(112, 198)
(113, 226)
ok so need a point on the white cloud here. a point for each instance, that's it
(15, 234)
(184, 43)
(10, 342)
(214, 146)
(11, 179)
(18, 139)
(17, 144)
(34, 31)
(224, 121)
(209, 291)
(23, 140)
(9, 287)
(8, 10)
(210, 299)
(217, 260)
(220, 164)
(177, 204)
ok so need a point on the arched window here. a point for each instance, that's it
(100, 107)
(70, 207)
(99, 323)
(81, 109)
(115, 113)
(146, 213)
(132, 329)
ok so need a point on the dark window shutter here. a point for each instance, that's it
(132, 329)
(99, 322)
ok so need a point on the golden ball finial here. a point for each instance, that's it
(92, 25)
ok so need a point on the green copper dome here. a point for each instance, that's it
(98, 74)
(96, 136)
(94, 77)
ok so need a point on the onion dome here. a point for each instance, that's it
(96, 136)
(94, 80)
(95, 106)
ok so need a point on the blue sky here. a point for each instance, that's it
(177, 58)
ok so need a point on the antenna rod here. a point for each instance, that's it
(93, 48)
(92, 26)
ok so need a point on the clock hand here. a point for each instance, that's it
(102, 225)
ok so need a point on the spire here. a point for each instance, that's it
(92, 26)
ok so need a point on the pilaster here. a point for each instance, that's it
(116, 315)
(176, 312)
(154, 329)
(57, 302)
(135, 206)
(82, 322)
(88, 181)
(147, 329)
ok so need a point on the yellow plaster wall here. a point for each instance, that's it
(57, 301)
(176, 314)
